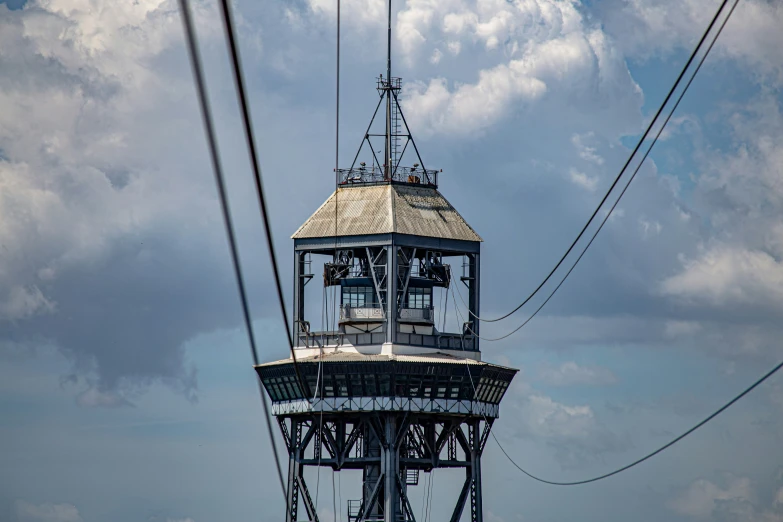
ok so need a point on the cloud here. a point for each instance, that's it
(700, 498)
(108, 220)
(729, 276)
(28, 512)
(583, 180)
(572, 431)
(549, 51)
(23, 302)
(93, 397)
(647, 28)
(741, 195)
(571, 374)
(735, 501)
(365, 15)
(586, 152)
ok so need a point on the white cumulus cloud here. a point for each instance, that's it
(47, 512)
(572, 374)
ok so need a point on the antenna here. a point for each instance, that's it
(387, 169)
(387, 157)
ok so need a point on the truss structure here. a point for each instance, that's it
(391, 449)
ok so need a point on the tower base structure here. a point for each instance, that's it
(392, 418)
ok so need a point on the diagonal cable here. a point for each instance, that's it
(620, 175)
(654, 453)
(625, 188)
(650, 455)
(239, 82)
(206, 116)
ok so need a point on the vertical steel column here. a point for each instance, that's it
(372, 506)
(391, 293)
(294, 468)
(476, 505)
(473, 296)
(299, 291)
(390, 467)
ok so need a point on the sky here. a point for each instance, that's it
(126, 388)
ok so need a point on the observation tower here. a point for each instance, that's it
(387, 391)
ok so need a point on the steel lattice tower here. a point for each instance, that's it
(386, 392)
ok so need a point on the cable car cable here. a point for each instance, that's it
(628, 184)
(622, 171)
(654, 453)
(239, 83)
(206, 116)
(666, 446)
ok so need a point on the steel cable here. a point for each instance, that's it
(619, 175)
(638, 461)
(239, 82)
(649, 455)
(625, 188)
(206, 116)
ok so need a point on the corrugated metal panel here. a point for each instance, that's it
(360, 210)
(435, 358)
(425, 212)
(383, 209)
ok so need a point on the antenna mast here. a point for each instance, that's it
(387, 163)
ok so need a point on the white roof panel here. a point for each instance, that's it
(385, 209)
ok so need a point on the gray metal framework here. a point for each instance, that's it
(390, 417)
(383, 406)
(390, 449)
(401, 258)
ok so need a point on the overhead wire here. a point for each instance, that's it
(625, 188)
(331, 319)
(206, 116)
(648, 456)
(653, 453)
(336, 165)
(239, 83)
(619, 175)
(197, 68)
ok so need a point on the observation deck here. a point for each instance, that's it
(378, 174)
(435, 383)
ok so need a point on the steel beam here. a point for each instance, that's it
(390, 443)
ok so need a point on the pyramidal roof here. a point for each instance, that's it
(385, 209)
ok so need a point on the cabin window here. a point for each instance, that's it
(420, 298)
(359, 296)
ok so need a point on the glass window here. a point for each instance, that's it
(356, 385)
(359, 296)
(420, 298)
(342, 386)
(415, 386)
(385, 385)
(369, 381)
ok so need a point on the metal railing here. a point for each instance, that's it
(443, 340)
(419, 315)
(354, 509)
(363, 313)
(320, 339)
(377, 174)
